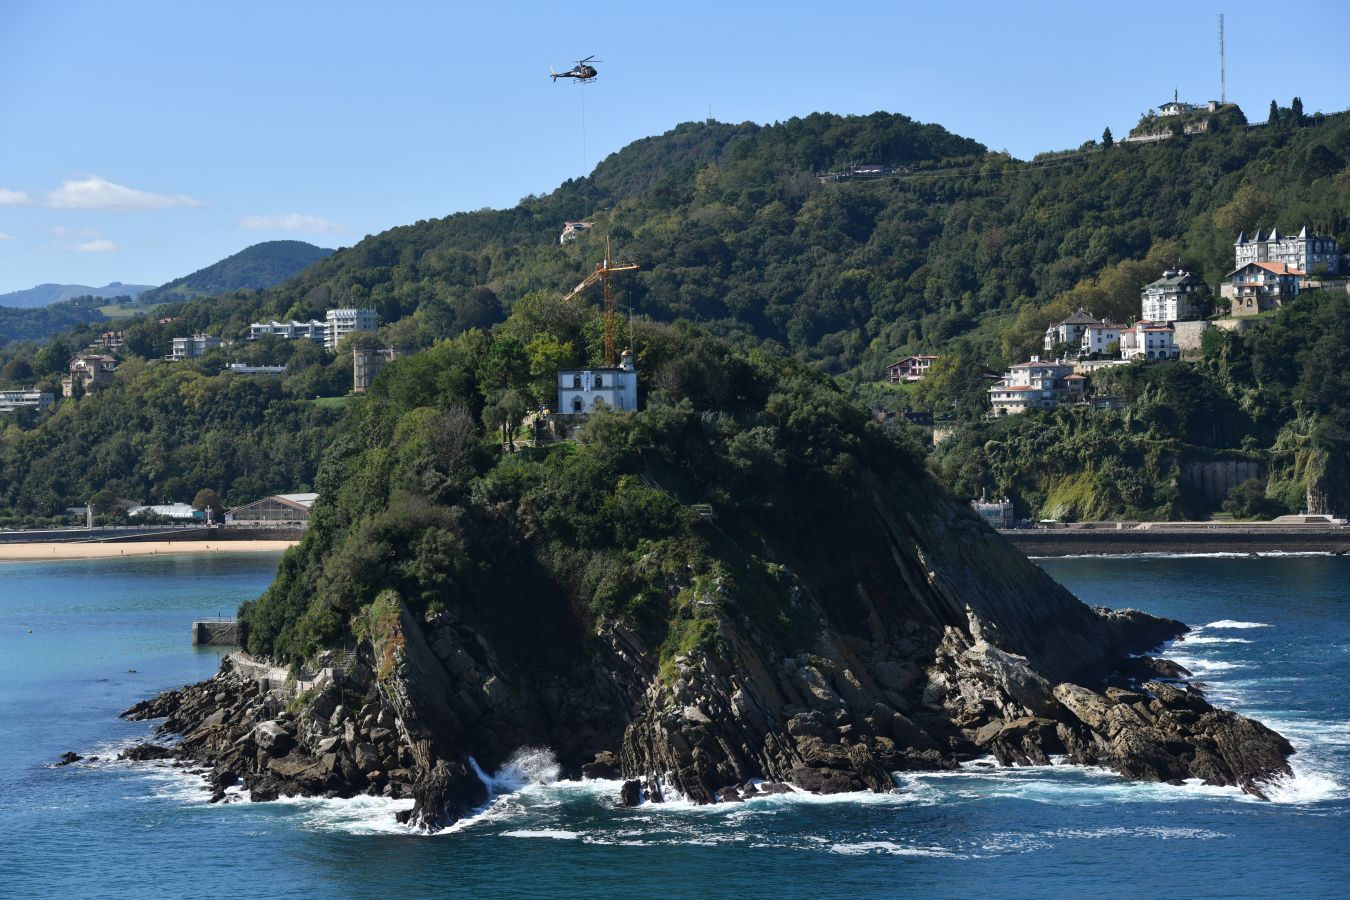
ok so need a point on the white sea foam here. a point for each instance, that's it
(554, 833)
(888, 847)
(1206, 639)
(1230, 623)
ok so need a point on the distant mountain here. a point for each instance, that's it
(47, 294)
(260, 266)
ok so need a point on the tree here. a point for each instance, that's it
(1296, 111)
(1274, 118)
(1107, 139)
(208, 500)
(17, 370)
(104, 503)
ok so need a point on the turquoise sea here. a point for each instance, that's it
(81, 641)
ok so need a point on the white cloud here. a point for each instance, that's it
(12, 198)
(98, 245)
(99, 193)
(291, 222)
(6, 237)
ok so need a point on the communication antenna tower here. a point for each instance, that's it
(1223, 87)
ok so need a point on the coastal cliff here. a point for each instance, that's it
(706, 599)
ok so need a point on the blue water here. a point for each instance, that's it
(1274, 643)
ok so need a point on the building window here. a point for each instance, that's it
(576, 404)
(576, 383)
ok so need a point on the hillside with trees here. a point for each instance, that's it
(253, 268)
(958, 250)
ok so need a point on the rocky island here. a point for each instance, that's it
(746, 585)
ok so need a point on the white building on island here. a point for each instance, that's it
(580, 391)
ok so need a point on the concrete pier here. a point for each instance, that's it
(215, 633)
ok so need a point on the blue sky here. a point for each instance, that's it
(141, 140)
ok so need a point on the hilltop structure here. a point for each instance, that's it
(88, 370)
(341, 322)
(1259, 287)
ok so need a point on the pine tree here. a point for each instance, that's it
(1296, 110)
(1107, 140)
(1274, 114)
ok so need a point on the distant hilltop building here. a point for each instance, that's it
(572, 229)
(1307, 253)
(1178, 296)
(29, 399)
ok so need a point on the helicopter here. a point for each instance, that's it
(583, 71)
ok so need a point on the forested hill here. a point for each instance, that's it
(733, 228)
(47, 294)
(259, 266)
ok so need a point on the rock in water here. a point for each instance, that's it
(70, 756)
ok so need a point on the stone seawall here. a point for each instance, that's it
(1218, 539)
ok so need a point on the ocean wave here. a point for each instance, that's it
(1230, 623)
(890, 848)
(1205, 639)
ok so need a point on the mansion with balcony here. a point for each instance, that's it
(1259, 287)
(1036, 385)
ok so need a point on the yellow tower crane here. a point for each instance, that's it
(603, 270)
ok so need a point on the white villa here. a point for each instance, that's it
(1036, 385)
(1149, 340)
(1175, 297)
(1069, 331)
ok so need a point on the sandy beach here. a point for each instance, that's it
(93, 550)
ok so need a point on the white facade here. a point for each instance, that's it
(313, 329)
(1309, 253)
(580, 390)
(1070, 330)
(1149, 340)
(195, 346)
(1175, 297)
(12, 400)
(1097, 336)
(1036, 385)
(341, 322)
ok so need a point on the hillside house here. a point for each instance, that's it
(1150, 341)
(910, 369)
(1259, 287)
(1069, 332)
(1178, 296)
(194, 347)
(88, 370)
(1308, 253)
(1098, 336)
(1036, 385)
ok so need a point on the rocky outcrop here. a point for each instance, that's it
(946, 647)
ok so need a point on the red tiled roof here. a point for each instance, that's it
(1276, 268)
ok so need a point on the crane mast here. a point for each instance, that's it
(602, 272)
